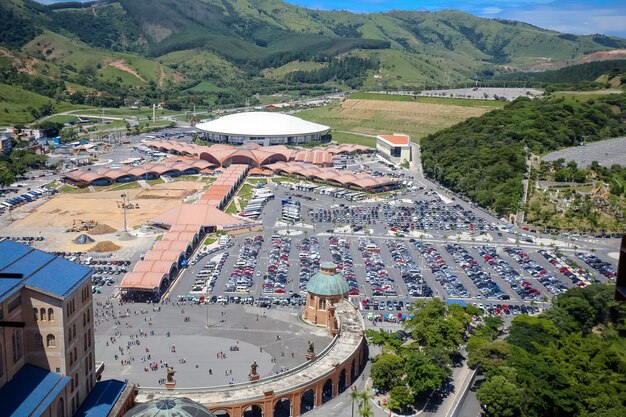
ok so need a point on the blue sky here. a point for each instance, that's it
(579, 17)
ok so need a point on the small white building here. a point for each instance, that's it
(395, 148)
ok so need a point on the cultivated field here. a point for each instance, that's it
(374, 117)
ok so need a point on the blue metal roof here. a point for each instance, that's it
(40, 270)
(101, 399)
(456, 301)
(31, 391)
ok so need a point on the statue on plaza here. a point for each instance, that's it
(311, 347)
(170, 374)
(253, 368)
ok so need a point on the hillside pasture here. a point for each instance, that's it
(374, 117)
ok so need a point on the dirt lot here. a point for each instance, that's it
(52, 218)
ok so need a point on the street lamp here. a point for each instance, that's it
(124, 208)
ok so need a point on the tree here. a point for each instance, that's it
(68, 134)
(422, 375)
(6, 176)
(501, 397)
(50, 129)
(432, 326)
(401, 398)
(365, 408)
(531, 332)
(354, 396)
(487, 355)
(387, 371)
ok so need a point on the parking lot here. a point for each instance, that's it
(392, 252)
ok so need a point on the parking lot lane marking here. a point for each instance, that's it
(335, 406)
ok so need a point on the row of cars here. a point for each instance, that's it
(309, 260)
(482, 280)
(206, 277)
(577, 276)
(409, 271)
(381, 283)
(340, 253)
(442, 271)
(275, 278)
(241, 279)
(548, 280)
(382, 305)
(225, 244)
(523, 288)
(346, 215)
(599, 265)
(433, 215)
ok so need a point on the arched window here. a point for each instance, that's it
(16, 340)
(38, 340)
(71, 358)
(42, 313)
(51, 341)
(36, 313)
(50, 314)
(84, 319)
(61, 408)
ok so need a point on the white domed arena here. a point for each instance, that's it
(262, 128)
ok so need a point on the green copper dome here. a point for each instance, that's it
(328, 281)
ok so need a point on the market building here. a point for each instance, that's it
(262, 128)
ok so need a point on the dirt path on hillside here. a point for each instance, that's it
(121, 65)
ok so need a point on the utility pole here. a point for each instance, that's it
(153, 112)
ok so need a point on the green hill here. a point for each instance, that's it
(484, 158)
(223, 52)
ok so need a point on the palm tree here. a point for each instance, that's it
(365, 408)
(354, 395)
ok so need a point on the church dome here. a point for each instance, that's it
(169, 407)
(328, 281)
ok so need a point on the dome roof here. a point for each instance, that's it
(169, 407)
(327, 281)
(261, 124)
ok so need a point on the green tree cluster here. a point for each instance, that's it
(18, 163)
(568, 361)
(409, 369)
(484, 158)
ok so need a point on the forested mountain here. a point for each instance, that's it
(186, 50)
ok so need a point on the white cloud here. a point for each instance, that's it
(491, 10)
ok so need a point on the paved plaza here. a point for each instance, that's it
(275, 338)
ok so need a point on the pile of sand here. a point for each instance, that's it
(101, 229)
(106, 246)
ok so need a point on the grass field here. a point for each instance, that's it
(585, 95)
(62, 118)
(232, 208)
(374, 117)
(15, 101)
(492, 104)
(343, 137)
(293, 66)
